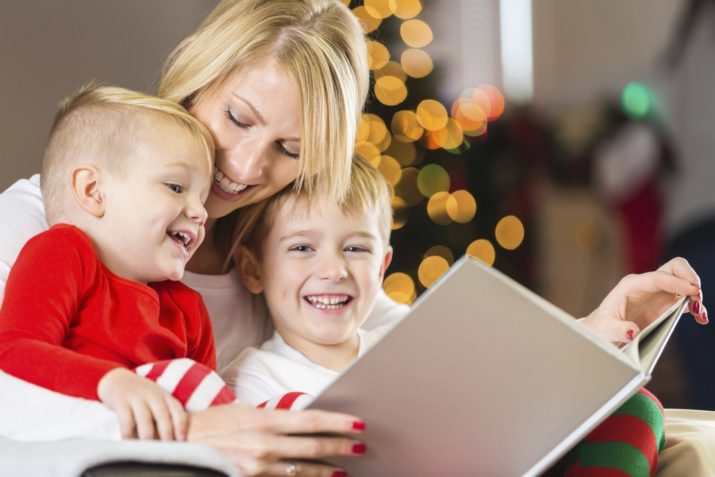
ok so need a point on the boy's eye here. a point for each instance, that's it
(175, 188)
(301, 248)
(357, 249)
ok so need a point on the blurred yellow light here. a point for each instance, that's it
(405, 126)
(461, 206)
(432, 179)
(431, 115)
(404, 152)
(363, 130)
(437, 208)
(377, 55)
(399, 212)
(391, 68)
(416, 63)
(400, 287)
(390, 91)
(407, 9)
(369, 152)
(376, 128)
(407, 187)
(431, 269)
(391, 169)
(454, 137)
(433, 140)
(483, 250)
(470, 116)
(380, 8)
(369, 22)
(509, 232)
(416, 33)
(496, 100)
(440, 251)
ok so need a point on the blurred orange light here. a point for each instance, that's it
(380, 8)
(431, 115)
(416, 63)
(509, 232)
(391, 169)
(483, 250)
(399, 212)
(369, 23)
(431, 269)
(377, 55)
(407, 187)
(405, 126)
(391, 68)
(440, 251)
(400, 287)
(461, 206)
(407, 9)
(390, 91)
(496, 100)
(369, 152)
(416, 33)
(437, 208)
(404, 152)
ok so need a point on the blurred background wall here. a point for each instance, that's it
(532, 203)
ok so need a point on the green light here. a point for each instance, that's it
(637, 100)
(432, 179)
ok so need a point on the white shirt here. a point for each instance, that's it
(239, 320)
(276, 368)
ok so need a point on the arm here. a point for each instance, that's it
(43, 295)
(637, 300)
(22, 215)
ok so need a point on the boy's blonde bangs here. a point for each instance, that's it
(321, 46)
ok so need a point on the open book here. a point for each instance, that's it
(484, 377)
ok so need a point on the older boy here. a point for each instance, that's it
(124, 179)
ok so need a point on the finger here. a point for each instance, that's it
(179, 417)
(680, 267)
(162, 418)
(663, 280)
(302, 469)
(144, 420)
(308, 447)
(127, 426)
(312, 421)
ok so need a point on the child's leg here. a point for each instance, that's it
(625, 444)
(195, 385)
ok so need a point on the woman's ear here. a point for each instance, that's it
(248, 268)
(86, 188)
(386, 261)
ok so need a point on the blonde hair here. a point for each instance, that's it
(99, 125)
(368, 192)
(319, 43)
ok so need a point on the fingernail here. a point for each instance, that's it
(359, 425)
(696, 306)
(339, 473)
(704, 316)
(629, 335)
(359, 448)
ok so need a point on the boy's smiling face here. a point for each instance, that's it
(320, 270)
(154, 215)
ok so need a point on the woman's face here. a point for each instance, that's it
(255, 119)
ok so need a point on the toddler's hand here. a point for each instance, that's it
(144, 409)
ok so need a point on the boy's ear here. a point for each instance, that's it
(247, 265)
(386, 261)
(86, 188)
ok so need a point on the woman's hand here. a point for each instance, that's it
(637, 300)
(265, 442)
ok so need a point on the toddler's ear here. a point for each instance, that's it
(85, 182)
(386, 261)
(247, 265)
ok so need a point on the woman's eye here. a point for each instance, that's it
(235, 120)
(286, 152)
(175, 188)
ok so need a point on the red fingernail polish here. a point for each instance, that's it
(705, 317)
(359, 425)
(359, 448)
(696, 306)
(340, 473)
(629, 335)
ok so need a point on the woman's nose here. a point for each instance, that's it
(248, 160)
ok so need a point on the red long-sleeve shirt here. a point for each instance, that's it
(66, 320)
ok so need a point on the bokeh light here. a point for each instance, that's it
(416, 63)
(483, 250)
(433, 178)
(437, 208)
(380, 8)
(407, 9)
(431, 115)
(405, 126)
(496, 101)
(391, 68)
(407, 187)
(470, 116)
(449, 137)
(369, 23)
(400, 287)
(461, 206)
(416, 33)
(440, 251)
(404, 152)
(637, 100)
(431, 269)
(363, 130)
(509, 232)
(400, 212)
(390, 90)
(391, 169)
(377, 55)
(369, 152)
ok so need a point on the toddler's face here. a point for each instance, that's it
(155, 217)
(321, 271)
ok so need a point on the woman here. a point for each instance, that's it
(280, 84)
